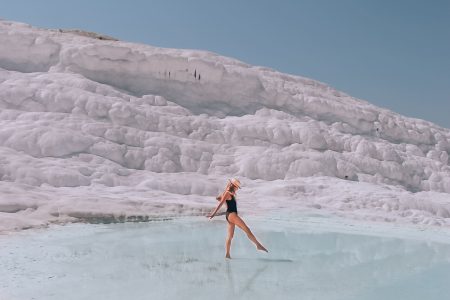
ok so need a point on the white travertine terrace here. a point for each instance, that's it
(93, 128)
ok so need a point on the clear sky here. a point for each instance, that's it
(392, 53)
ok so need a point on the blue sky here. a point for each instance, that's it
(394, 54)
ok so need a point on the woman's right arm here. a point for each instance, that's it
(222, 200)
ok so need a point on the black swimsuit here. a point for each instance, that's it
(231, 206)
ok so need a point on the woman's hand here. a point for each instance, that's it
(211, 214)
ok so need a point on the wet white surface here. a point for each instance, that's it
(184, 258)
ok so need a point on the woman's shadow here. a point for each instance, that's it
(248, 284)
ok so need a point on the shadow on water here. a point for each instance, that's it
(247, 284)
(274, 260)
(281, 260)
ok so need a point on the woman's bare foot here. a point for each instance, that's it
(261, 247)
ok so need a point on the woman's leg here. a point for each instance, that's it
(235, 219)
(229, 238)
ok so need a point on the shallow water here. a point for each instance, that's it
(185, 258)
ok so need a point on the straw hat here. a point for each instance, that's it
(235, 182)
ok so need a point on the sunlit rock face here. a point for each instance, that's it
(78, 110)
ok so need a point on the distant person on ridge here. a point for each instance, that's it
(232, 215)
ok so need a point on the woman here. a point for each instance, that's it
(232, 217)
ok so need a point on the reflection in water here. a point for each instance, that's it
(230, 278)
(174, 259)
